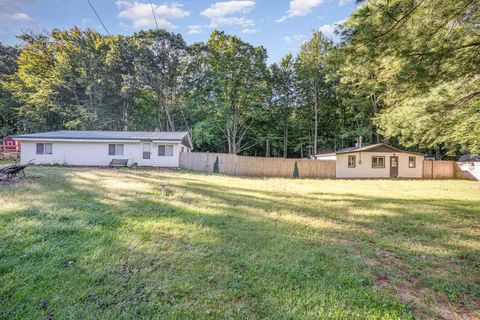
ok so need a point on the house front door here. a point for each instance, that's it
(393, 167)
(147, 154)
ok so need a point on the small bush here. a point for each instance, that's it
(216, 169)
(296, 174)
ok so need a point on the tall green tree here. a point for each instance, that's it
(160, 61)
(425, 59)
(32, 84)
(284, 93)
(237, 86)
(311, 73)
(8, 67)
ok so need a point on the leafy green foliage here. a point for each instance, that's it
(405, 72)
(423, 65)
(8, 67)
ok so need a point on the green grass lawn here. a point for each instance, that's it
(97, 243)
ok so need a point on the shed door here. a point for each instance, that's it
(393, 167)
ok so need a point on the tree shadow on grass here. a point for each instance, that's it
(209, 252)
(403, 241)
(432, 243)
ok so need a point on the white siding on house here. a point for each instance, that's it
(365, 170)
(91, 153)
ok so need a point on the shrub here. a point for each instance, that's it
(216, 169)
(296, 174)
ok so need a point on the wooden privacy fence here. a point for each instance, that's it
(256, 166)
(281, 167)
(436, 169)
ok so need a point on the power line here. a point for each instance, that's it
(153, 11)
(95, 11)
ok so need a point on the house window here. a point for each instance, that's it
(352, 161)
(183, 149)
(165, 151)
(146, 151)
(44, 148)
(411, 162)
(115, 149)
(378, 162)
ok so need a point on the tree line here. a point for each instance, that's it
(405, 72)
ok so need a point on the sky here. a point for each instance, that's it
(279, 25)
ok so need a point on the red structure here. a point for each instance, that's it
(9, 144)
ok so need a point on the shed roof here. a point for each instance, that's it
(470, 158)
(105, 135)
(326, 154)
(379, 147)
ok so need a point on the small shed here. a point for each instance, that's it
(378, 161)
(468, 166)
(10, 144)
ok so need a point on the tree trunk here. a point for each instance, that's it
(170, 123)
(229, 139)
(232, 128)
(267, 151)
(373, 99)
(125, 115)
(236, 117)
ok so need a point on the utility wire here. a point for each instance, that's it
(95, 11)
(153, 11)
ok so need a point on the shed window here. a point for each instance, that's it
(411, 162)
(352, 161)
(115, 149)
(165, 151)
(378, 162)
(44, 148)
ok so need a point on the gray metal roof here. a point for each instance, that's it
(104, 135)
(470, 158)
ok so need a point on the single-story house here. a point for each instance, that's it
(378, 161)
(99, 148)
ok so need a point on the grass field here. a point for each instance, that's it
(97, 243)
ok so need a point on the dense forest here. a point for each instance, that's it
(404, 71)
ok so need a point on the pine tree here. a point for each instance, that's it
(216, 169)
(296, 174)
